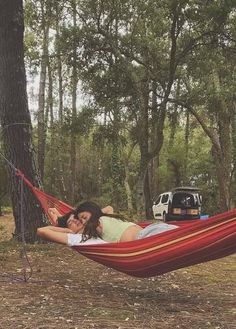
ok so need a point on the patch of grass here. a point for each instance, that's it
(110, 313)
(9, 245)
(7, 210)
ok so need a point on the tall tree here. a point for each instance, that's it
(210, 89)
(148, 41)
(234, 156)
(74, 83)
(45, 7)
(15, 117)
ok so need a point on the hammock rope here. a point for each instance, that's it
(24, 255)
(193, 242)
(27, 268)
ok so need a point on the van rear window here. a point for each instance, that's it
(184, 200)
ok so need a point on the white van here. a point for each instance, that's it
(182, 203)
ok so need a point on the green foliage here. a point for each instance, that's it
(200, 167)
(81, 124)
(123, 49)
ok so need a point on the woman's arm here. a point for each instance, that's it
(54, 234)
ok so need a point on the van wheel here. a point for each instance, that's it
(164, 217)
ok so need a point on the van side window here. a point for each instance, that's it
(165, 198)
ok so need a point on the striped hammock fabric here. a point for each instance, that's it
(193, 242)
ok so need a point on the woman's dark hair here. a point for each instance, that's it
(90, 229)
(89, 206)
(62, 220)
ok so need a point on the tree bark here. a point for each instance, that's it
(53, 139)
(59, 64)
(72, 188)
(128, 189)
(186, 154)
(15, 118)
(42, 123)
(59, 163)
(143, 135)
(234, 155)
(128, 192)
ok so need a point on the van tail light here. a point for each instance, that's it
(192, 212)
(176, 211)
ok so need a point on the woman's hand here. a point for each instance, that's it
(108, 210)
(54, 212)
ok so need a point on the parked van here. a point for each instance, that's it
(181, 203)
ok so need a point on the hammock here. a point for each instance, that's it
(193, 242)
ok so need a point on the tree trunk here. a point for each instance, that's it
(222, 154)
(15, 118)
(74, 113)
(223, 178)
(234, 155)
(116, 167)
(53, 139)
(59, 164)
(186, 154)
(42, 123)
(147, 194)
(159, 118)
(221, 150)
(143, 88)
(128, 192)
(59, 64)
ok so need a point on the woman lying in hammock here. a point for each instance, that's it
(69, 228)
(91, 224)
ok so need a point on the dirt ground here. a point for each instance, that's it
(68, 291)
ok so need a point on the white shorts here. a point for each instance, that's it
(76, 240)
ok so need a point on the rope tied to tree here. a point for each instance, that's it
(16, 124)
(17, 171)
(23, 254)
(9, 163)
